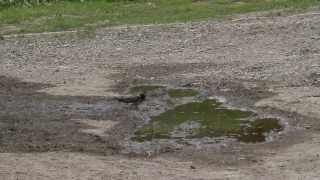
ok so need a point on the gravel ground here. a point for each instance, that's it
(55, 90)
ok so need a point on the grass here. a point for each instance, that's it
(64, 15)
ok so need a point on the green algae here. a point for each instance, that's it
(176, 93)
(207, 119)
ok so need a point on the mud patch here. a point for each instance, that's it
(207, 119)
(33, 121)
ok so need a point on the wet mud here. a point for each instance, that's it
(31, 121)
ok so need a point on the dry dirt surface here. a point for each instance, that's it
(60, 117)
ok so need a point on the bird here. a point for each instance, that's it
(133, 99)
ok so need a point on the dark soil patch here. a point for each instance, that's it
(32, 121)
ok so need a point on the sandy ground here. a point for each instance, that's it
(270, 64)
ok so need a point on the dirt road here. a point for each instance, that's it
(60, 118)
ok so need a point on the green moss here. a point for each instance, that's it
(213, 120)
(182, 92)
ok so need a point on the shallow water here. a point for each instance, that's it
(207, 119)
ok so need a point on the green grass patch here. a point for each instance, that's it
(64, 15)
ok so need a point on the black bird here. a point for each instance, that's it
(133, 99)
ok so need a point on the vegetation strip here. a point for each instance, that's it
(64, 15)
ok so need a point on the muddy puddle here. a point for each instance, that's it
(35, 121)
(208, 118)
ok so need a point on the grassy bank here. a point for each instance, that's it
(64, 15)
